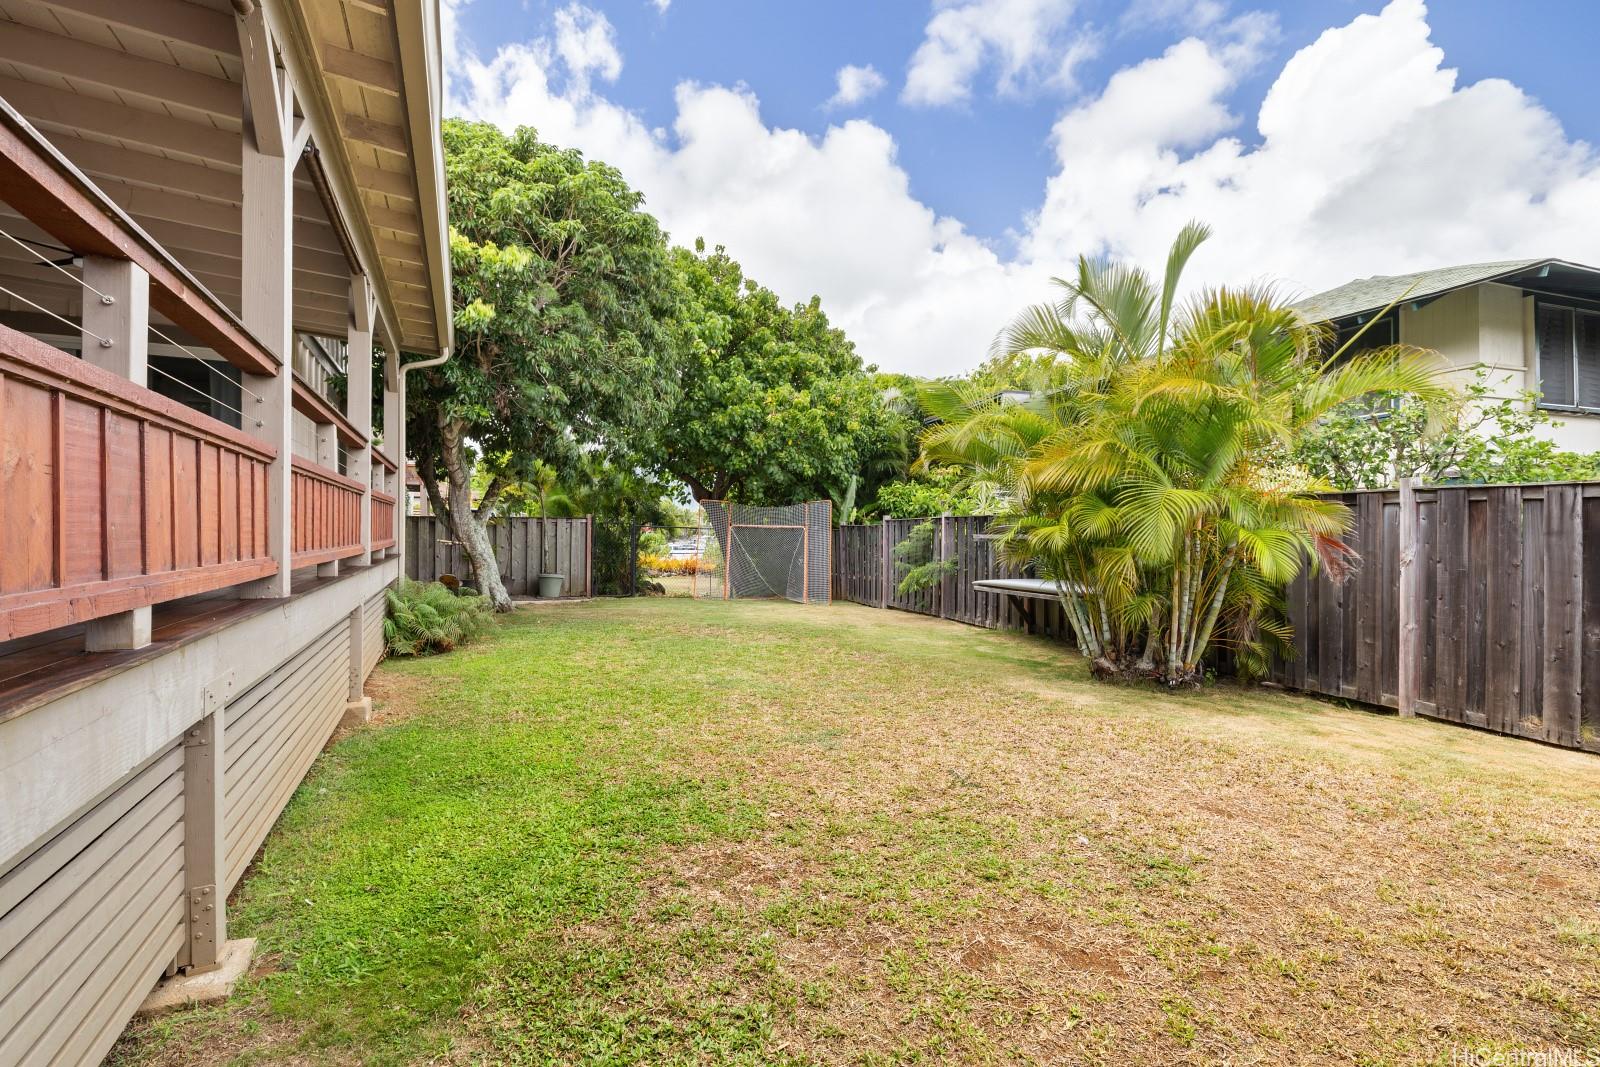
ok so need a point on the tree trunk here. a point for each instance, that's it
(468, 525)
(436, 500)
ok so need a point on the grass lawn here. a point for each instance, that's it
(667, 831)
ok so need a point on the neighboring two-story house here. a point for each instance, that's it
(1531, 325)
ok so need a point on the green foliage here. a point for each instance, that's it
(938, 490)
(1470, 436)
(1144, 474)
(566, 310)
(565, 298)
(621, 497)
(776, 405)
(916, 560)
(425, 618)
(652, 542)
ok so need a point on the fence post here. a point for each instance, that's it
(883, 562)
(1410, 598)
(944, 556)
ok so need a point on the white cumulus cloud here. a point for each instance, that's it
(1367, 156)
(587, 43)
(1370, 158)
(855, 84)
(1026, 42)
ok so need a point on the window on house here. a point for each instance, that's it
(1569, 357)
(210, 386)
(1380, 335)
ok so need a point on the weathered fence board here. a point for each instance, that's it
(1505, 601)
(1502, 599)
(523, 546)
(864, 554)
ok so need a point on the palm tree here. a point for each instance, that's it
(1146, 475)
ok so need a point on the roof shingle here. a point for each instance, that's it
(1373, 294)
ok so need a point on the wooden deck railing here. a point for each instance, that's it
(327, 514)
(382, 520)
(113, 497)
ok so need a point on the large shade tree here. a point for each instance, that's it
(776, 405)
(565, 302)
(1148, 477)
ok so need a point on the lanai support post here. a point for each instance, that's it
(270, 148)
(394, 438)
(116, 337)
(358, 408)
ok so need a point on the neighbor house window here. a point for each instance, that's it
(1380, 334)
(1569, 357)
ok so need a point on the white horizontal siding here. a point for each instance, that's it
(372, 646)
(91, 918)
(273, 733)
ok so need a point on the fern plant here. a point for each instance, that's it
(425, 618)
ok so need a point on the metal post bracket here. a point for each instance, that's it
(203, 925)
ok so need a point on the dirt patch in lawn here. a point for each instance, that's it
(1037, 871)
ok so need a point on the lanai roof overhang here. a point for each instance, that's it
(143, 103)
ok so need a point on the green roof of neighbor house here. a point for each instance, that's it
(1374, 294)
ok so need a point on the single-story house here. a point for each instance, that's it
(1532, 324)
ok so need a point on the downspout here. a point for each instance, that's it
(423, 364)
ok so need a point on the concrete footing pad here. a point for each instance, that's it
(357, 713)
(207, 987)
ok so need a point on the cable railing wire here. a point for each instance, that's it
(53, 265)
(106, 342)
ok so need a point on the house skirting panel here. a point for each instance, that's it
(93, 800)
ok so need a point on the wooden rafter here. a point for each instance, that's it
(59, 108)
(377, 134)
(42, 188)
(82, 61)
(167, 20)
(366, 70)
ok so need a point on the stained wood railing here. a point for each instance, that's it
(382, 520)
(113, 497)
(327, 514)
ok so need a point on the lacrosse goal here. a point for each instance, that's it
(771, 552)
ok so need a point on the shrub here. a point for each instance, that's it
(425, 618)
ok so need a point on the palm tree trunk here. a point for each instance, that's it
(1182, 615)
(1203, 637)
(1077, 614)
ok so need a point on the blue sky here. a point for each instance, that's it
(1007, 136)
(986, 162)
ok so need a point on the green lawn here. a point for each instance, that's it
(670, 831)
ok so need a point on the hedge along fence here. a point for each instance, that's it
(1477, 605)
(523, 545)
(871, 560)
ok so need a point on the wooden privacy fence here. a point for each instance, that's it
(1471, 604)
(1477, 605)
(522, 547)
(870, 562)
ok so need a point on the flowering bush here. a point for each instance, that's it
(661, 565)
